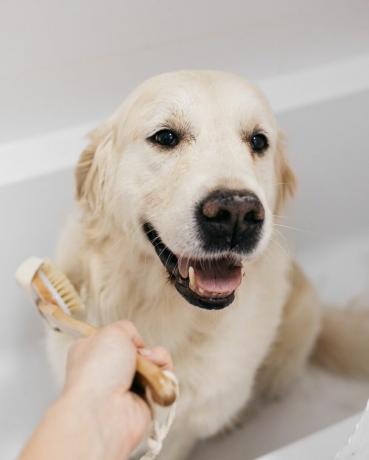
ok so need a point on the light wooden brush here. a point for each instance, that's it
(57, 301)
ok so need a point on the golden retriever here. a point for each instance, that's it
(178, 194)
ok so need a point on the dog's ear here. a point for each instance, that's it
(89, 173)
(286, 179)
(84, 169)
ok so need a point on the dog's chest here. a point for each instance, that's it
(216, 353)
(217, 364)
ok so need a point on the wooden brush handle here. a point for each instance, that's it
(147, 373)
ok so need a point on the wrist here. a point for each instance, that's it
(63, 432)
(111, 425)
(75, 424)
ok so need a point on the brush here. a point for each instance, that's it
(57, 301)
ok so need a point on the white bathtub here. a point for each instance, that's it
(322, 106)
(328, 145)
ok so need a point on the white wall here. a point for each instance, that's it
(329, 149)
(73, 61)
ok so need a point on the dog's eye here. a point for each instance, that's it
(259, 143)
(166, 138)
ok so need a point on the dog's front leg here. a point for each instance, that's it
(295, 340)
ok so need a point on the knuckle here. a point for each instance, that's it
(159, 350)
(112, 332)
(128, 326)
(117, 331)
(164, 355)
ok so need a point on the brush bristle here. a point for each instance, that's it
(63, 287)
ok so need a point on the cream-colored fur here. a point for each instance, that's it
(265, 337)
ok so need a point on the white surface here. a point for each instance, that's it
(317, 84)
(315, 403)
(357, 446)
(327, 145)
(67, 63)
(320, 446)
(60, 149)
(25, 159)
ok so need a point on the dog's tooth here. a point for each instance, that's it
(183, 267)
(192, 278)
(201, 291)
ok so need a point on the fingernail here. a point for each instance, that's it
(145, 352)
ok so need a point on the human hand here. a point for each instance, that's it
(97, 416)
(100, 371)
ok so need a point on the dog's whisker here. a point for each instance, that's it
(293, 228)
(161, 253)
(170, 255)
(278, 243)
(156, 240)
(168, 260)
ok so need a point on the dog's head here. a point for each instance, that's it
(193, 166)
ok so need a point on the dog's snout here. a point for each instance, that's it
(230, 219)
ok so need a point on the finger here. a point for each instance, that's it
(158, 355)
(128, 328)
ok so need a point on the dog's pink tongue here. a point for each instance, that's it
(218, 280)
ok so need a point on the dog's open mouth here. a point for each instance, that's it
(206, 283)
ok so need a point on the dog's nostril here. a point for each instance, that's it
(222, 216)
(254, 217)
(214, 212)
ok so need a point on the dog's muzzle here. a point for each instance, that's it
(229, 227)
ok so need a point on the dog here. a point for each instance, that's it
(178, 194)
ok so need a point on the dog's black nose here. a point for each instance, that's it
(230, 219)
